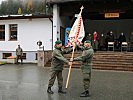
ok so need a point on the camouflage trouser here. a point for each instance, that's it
(55, 74)
(19, 57)
(86, 80)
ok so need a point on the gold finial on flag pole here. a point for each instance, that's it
(81, 9)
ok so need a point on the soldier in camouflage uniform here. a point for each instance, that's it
(86, 59)
(19, 54)
(57, 66)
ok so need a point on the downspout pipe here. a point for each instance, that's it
(52, 32)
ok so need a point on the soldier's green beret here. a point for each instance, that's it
(87, 41)
(58, 42)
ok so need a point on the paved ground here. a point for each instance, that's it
(29, 82)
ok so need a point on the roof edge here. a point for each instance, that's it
(26, 16)
(60, 1)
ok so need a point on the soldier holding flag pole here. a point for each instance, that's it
(86, 65)
(57, 65)
(76, 35)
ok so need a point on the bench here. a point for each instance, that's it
(11, 59)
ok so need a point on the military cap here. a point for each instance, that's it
(87, 41)
(58, 42)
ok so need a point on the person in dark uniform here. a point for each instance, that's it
(107, 40)
(122, 38)
(111, 37)
(19, 54)
(102, 42)
(57, 63)
(86, 66)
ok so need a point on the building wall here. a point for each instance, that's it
(29, 32)
(65, 22)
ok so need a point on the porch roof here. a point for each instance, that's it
(95, 9)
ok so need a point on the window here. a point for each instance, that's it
(2, 32)
(24, 56)
(13, 32)
(5, 55)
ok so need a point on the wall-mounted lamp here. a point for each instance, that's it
(39, 43)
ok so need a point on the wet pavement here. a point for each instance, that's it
(29, 82)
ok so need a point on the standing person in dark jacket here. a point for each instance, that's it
(111, 37)
(86, 66)
(19, 54)
(57, 66)
(107, 40)
(102, 42)
(122, 38)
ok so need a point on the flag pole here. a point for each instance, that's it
(70, 67)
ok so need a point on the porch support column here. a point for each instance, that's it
(56, 24)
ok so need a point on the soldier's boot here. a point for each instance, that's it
(50, 91)
(16, 62)
(21, 63)
(85, 94)
(61, 91)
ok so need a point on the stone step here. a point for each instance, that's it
(112, 61)
(105, 67)
(104, 56)
(101, 64)
(94, 66)
(108, 58)
(107, 64)
(113, 55)
(107, 52)
(116, 59)
(107, 61)
(117, 63)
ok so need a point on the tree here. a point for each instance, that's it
(19, 11)
(3, 7)
(22, 7)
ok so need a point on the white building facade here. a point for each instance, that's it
(25, 32)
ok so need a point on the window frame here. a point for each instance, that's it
(2, 30)
(24, 56)
(5, 55)
(13, 28)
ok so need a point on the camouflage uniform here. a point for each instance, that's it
(19, 53)
(57, 66)
(86, 59)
